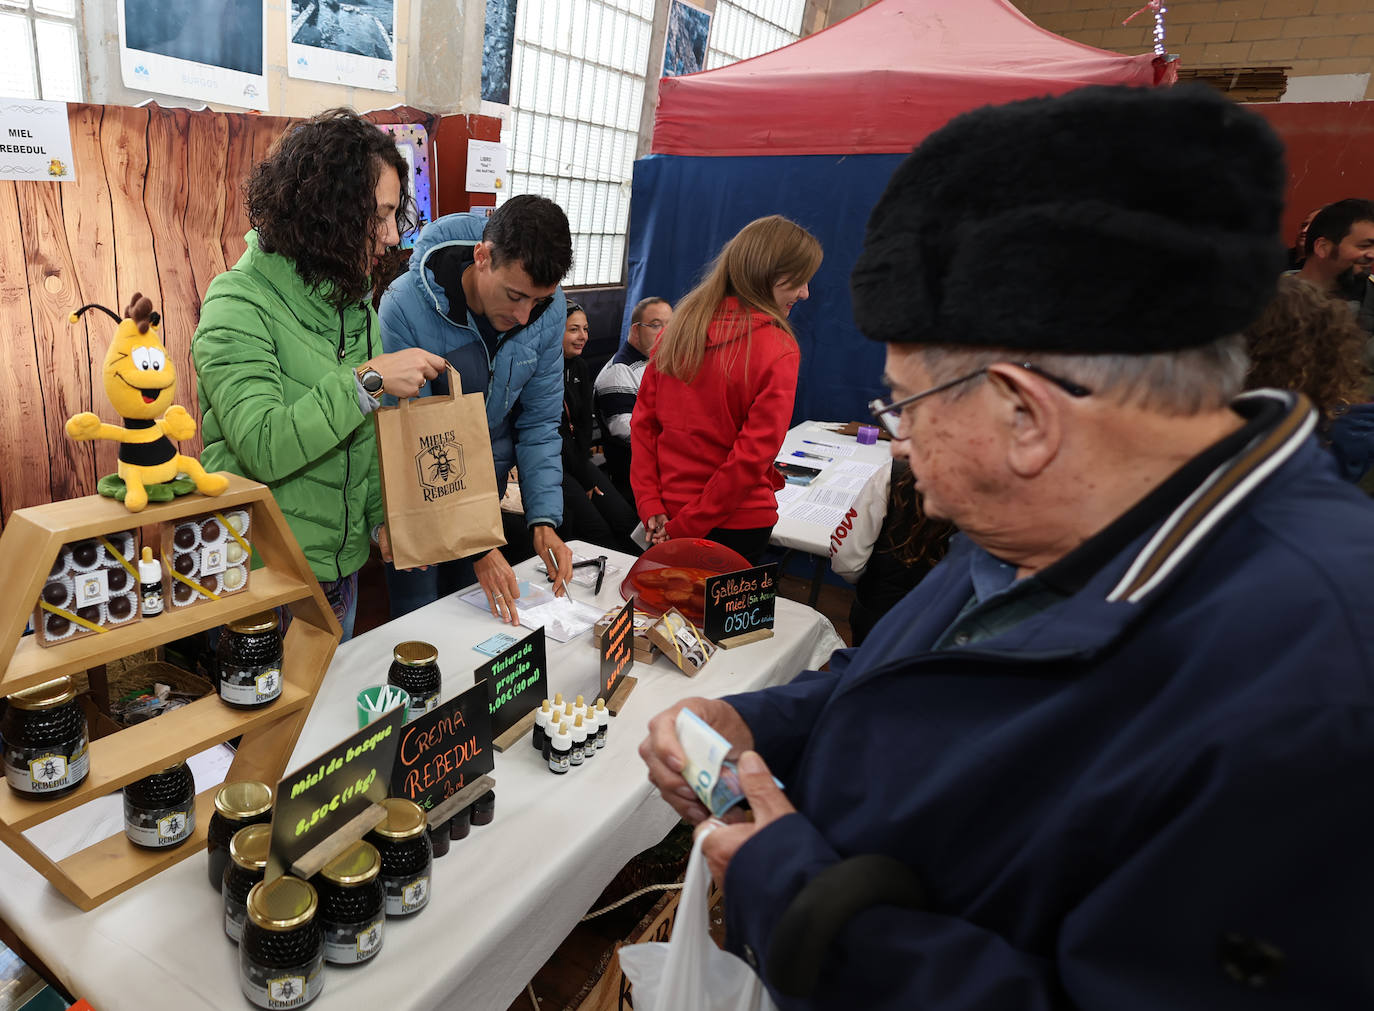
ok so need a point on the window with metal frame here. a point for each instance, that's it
(38, 38)
(745, 28)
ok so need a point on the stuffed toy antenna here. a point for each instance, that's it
(141, 382)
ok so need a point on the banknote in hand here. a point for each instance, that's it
(713, 777)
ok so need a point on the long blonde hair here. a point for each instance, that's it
(765, 252)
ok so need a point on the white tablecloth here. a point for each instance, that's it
(504, 898)
(838, 487)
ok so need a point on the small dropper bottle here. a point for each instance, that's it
(579, 740)
(149, 584)
(560, 749)
(541, 726)
(603, 721)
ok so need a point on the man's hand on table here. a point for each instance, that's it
(663, 754)
(547, 542)
(498, 582)
(729, 834)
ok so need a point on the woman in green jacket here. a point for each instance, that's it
(287, 352)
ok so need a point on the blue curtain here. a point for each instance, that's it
(682, 210)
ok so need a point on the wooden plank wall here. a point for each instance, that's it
(157, 208)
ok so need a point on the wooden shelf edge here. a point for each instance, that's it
(114, 865)
(33, 664)
(152, 746)
(82, 517)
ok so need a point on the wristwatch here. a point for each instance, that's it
(371, 380)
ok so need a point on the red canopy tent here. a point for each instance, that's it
(880, 80)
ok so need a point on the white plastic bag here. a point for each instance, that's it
(688, 972)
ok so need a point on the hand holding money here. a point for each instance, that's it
(663, 754)
(711, 774)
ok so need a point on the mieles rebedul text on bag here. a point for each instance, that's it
(688, 972)
(438, 478)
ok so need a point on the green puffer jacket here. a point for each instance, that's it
(274, 369)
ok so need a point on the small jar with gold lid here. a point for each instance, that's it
(160, 810)
(415, 668)
(249, 660)
(46, 740)
(281, 956)
(237, 805)
(352, 904)
(246, 867)
(403, 842)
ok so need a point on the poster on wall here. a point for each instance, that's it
(351, 43)
(684, 46)
(210, 50)
(498, 43)
(413, 141)
(35, 141)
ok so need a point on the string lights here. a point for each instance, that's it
(1159, 11)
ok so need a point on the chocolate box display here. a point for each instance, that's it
(681, 642)
(93, 585)
(645, 650)
(206, 557)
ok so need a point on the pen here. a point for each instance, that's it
(553, 573)
(812, 456)
(827, 445)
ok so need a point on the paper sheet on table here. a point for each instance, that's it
(585, 576)
(826, 448)
(788, 493)
(853, 473)
(562, 619)
(830, 496)
(530, 596)
(809, 512)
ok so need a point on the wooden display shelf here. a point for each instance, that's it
(29, 545)
(122, 757)
(32, 664)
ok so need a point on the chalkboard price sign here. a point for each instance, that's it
(517, 680)
(617, 649)
(325, 794)
(741, 604)
(445, 749)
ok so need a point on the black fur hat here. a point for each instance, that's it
(1109, 219)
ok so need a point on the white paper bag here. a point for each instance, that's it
(688, 972)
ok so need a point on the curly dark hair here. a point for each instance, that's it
(533, 232)
(1308, 342)
(314, 200)
(923, 540)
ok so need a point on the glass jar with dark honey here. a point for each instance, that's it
(403, 842)
(46, 740)
(352, 905)
(160, 810)
(415, 668)
(249, 660)
(247, 865)
(237, 805)
(281, 955)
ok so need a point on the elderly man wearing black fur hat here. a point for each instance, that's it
(1115, 752)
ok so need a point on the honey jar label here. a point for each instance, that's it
(244, 686)
(234, 915)
(404, 897)
(166, 827)
(346, 944)
(275, 988)
(43, 771)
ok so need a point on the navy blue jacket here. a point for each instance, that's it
(1111, 799)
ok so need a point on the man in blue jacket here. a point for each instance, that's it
(484, 294)
(1114, 753)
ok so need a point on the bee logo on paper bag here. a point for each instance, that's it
(439, 465)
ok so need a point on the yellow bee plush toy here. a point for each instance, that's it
(140, 381)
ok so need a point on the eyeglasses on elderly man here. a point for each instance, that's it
(890, 412)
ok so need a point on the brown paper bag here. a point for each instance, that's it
(438, 478)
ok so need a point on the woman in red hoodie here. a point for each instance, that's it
(716, 397)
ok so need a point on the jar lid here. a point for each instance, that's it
(248, 847)
(245, 799)
(415, 654)
(405, 819)
(48, 695)
(283, 903)
(357, 865)
(253, 624)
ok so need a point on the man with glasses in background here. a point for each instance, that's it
(1114, 752)
(484, 294)
(617, 387)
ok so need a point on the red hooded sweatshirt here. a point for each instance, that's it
(702, 452)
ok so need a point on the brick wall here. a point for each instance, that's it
(1312, 37)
